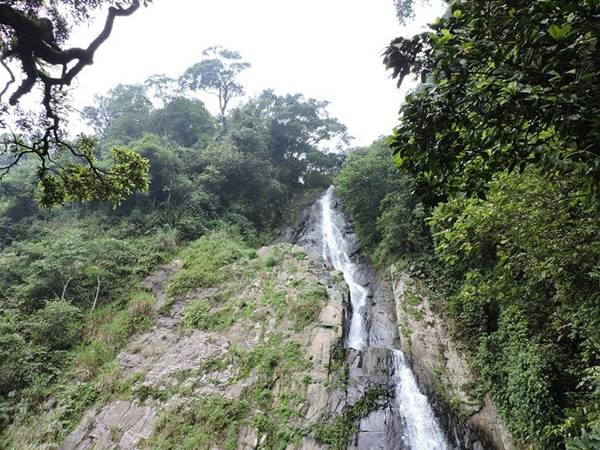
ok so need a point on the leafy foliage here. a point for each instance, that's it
(337, 434)
(216, 73)
(520, 274)
(405, 9)
(388, 218)
(530, 288)
(69, 276)
(505, 86)
(203, 261)
(58, 325)
(502, 139)
(33, 34)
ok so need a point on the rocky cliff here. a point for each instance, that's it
(442, 371)
(254, 361)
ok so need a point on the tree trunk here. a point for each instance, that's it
(97, 293)
(64, 291)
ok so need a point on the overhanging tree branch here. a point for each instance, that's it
(35, 41)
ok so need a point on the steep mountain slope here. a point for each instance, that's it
(241, 363)
(237, 357)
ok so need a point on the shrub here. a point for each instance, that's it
(140, 308)
(203, 259)
(306, 307)
(203, 315)
(13, 349)
(203, 424)
(91, 357)
(58, 325)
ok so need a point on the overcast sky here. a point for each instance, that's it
(327, 49)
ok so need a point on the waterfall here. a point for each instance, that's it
(335, 251)
(421, 430)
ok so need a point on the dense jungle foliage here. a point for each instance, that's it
(488, 190)
(70, 277)
(493, 199)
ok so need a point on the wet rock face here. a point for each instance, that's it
(381, 315)
(382, 427)
(307, 233)
(368, 370)
(436, 362)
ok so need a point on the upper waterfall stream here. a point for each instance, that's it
(420, 428)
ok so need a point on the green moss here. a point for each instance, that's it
(338, 432)
(208, 314)
(300, 255)
(275, 353)
(145, 391)
(406, 332)
(214, 363)
(272, 260)
(110, 330)
(306, 306)
(337, 367)
(415, 312)
(274, 298)
(338, 277)
(277, 422)
(412, 299)
(205, 423)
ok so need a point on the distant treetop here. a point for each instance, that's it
(217, 74)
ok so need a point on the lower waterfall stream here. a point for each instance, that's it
(419, 428)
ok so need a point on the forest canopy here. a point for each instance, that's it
(71, 275)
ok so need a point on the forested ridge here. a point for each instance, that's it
(493, 200)
(487, 192)
(70, 276)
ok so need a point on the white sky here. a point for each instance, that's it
(326, 49)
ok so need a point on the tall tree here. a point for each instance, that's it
(217, 74)
(186, 121)
(504, 87)
(122, 113)
(294, 128)
(161, 89)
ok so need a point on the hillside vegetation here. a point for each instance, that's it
(71, 291)
(488, 189)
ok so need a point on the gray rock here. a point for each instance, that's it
(431, 350)
(120, 424)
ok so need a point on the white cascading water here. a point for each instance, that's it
(334, 251)
(421, 431)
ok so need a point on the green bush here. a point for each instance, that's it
(109, 330)
(306, 307)
(203, 261)
(13, 350)
(388, 216)
(207, 316)
(527, 258)
(90, 358)
(58, 325)
(203, 424)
